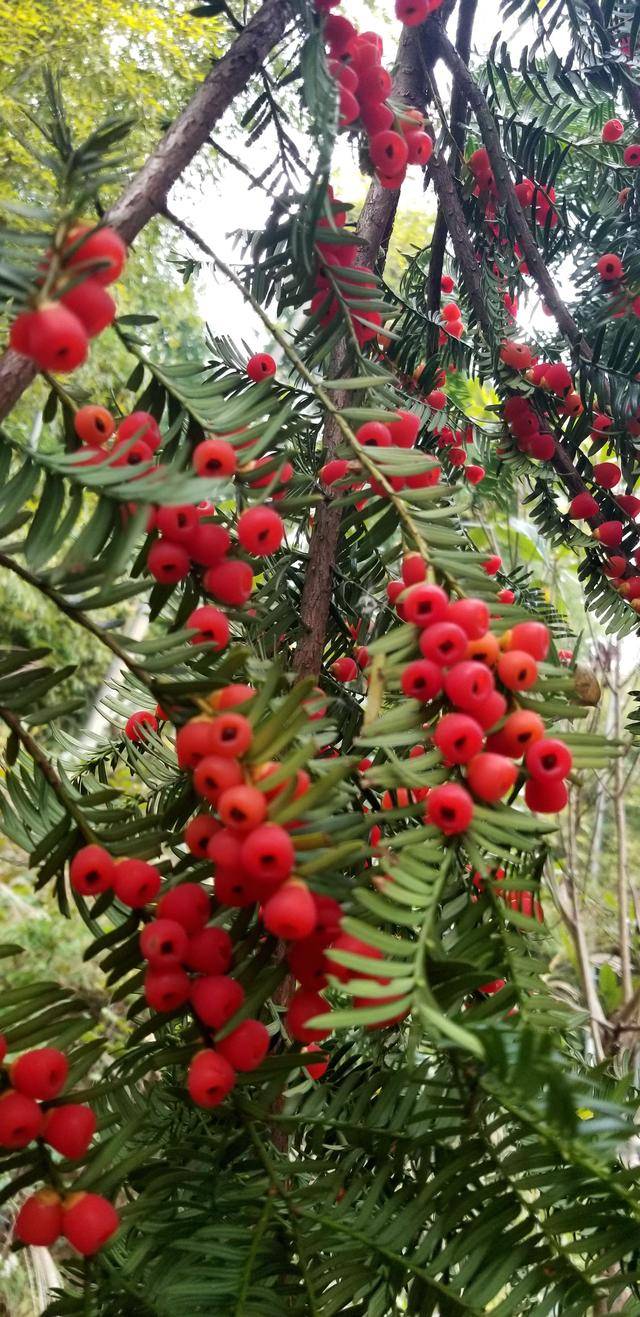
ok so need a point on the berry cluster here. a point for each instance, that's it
(29, 1111)
(73, 305)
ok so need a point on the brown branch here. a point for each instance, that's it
(147, 193)
(39, 758)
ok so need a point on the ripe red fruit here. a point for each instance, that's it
(209, 951)
(168, 562)
(194, 742)
(414, 569)
(533, 637)
(88, 1222)
(69, 1129)
(242, 808)
(163, 943)
(375, 117)
(230, 582)
(215, 998)
(209, 544)
(374, 86)
(93, 425)
(229, 697)
(308, 963)
(583, 506)
(198, 834)
(40, 1074)
(303, 1007)
(373, 434)
(260, 531)
(437, 399)
(517, 670)
(210, 626)
(349, 107)
(412, 12)
(231, 735)
(612, 130)
(178, 523)
(491, 710)
(39, 1221)
(606, 474)
(213, 775)
(404, 428)
(548, 760)
(138, 722)
(491, 776)
(141, 425)
(318, 1068)
(245, 1047)
(92, 304)
(545, 797)
(421, 680)
(444, 643)
(356, 947)
(610, 268)
(470, 614)
(447, 284)
(388, 150)
(210, 1078)
(20, 331)
(558, 378)
(166, 989)
(20, 1120)
(520, 731)
(449, 808)
(468, 685)
(215, 458)
(492, 565)
(609, 533)
(234, 888)
(290, 913)
(268, 855)
(458, 738)
(188, 904)
(260, 367)
(420, 148)
(425, 604)
(475, 474)
(516, 355)
(334, 471)
(506, 596)
(135, 882)
(225, 849)
(102, 248)
(92, 870)
(344, 669)
(632, 156)
(57, 339)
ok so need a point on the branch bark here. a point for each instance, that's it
(147, 193)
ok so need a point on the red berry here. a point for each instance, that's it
(20, 1120)
(214, 776)
(414, 569)
(163, 943)
(492, 565)
(422, 680)
(374, 86)
(88, 1222)
(308, 962)
(93, 425)
(242, 808)
(506, 596)
(388, 150)
(69, 1129)
(355, 947)
(458, 738)
(168, 562)
(344, 669)
(520, 731)
(210, 1078)
(225, 849)
(101, 248)
(178, 523)
(260, 531)
(470, 614)
(612, 130)
(548, 760)
(290, 913)
(318, 1068)
(491, 776)
(215, 458)
(139, 723)
(210, 626)
(166, 989)
(91, 871)
(412, 12)
(444, 643)
(40, 1074)
(194, 742)
(198, 834)
(491, 710)
(517, 670)
(425, 604)
(373, 434)
(216, 998)
(609, 533)
(303, 1007)
(231, 735)
(4, 1047)
(610, 268)
(545, 797)
(606, 474)
(268, 855)
(209, 544)
(209, 951)
(188, 904)
(92, 304)
(449, 808)
(234, 888)
(245, 1047)
(468, 685)
(583, 506)
(420, 148)
(136, 883)
(229, 697)
(57, 340)
(20, 333)
(39, 1221)
(404, 428)
(632, 156)
(533, 637)
(141, 425)
(230, 582)
(261, 367)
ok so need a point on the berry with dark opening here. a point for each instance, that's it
(141, 425)
(188, 904)
(39, 1221)
(168, 562)
(421, 680)
(521, 730)
(548, 760)
(458, 738)
(517, 670)
(210, 626)
(209, 951)
(373, 434)
(242, 808)
(449, 808)
(245, 1047)
(444, 643)
(425, 604)
(135, 882)
(40, 1074)
(167, 989)
(163, 943)
(198, 834)
(57, 339)
(69, 1129)
(194, 742)
(231, 735)
(612, 130)
(178, 523)
(468, 685)
(215, 458)
(214, 775)
(610, 268)
(260, 531)
(268, 855)
(91, 871)
(261, 367)
(210, 1078)
(216, 998)
(20, 1120)
(93, 425)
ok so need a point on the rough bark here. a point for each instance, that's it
(147, 193)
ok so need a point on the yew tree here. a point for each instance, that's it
(329, 1067)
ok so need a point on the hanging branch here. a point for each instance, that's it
(148, 190)
(39, 758)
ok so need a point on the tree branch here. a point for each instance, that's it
(147, 192)
(39, 758)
